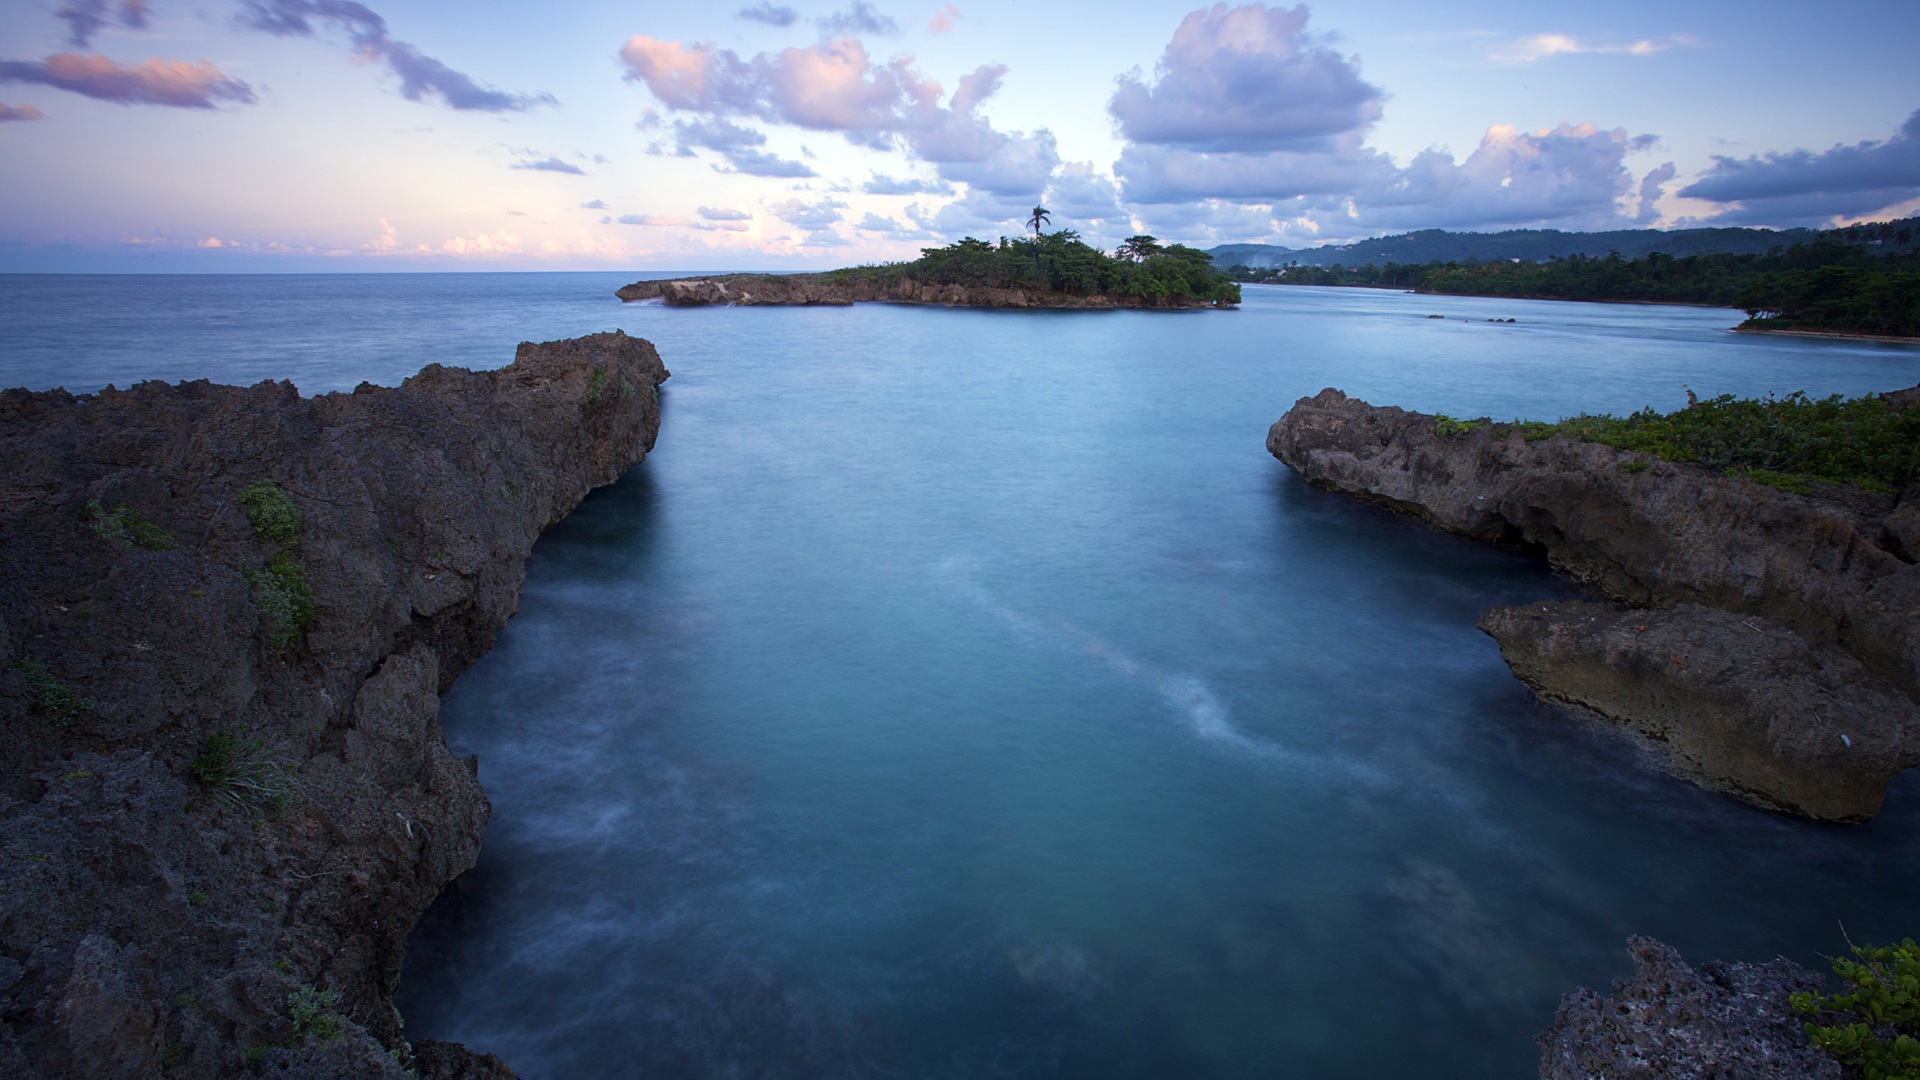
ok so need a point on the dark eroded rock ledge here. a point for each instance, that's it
(146, 923)
(1670, 1020)
(753, 290)
(1784, 662)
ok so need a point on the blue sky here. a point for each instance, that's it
(254, 135)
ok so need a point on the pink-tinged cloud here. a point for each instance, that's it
(9, 113)
(85, 18)
(836, 86)
(944, 19)
(1246, 78)
(157, 82)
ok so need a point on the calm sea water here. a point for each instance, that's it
(969, 694)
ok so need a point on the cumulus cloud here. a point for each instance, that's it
(887, 185)
(721, 213)
(594, 204)
(944, 19)
(804, 215)
(1246, 78)
(551, 164)
(157, 82)
(1652, 186)
(420, 76)
(765, 12)
(836, 86)
(1252, 120)
(85, 18)
(861, 18)
(1541, 46)
(1801, 187)
(9, 113)
(658, 220)
(740, 146)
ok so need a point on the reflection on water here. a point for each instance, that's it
(968, 694)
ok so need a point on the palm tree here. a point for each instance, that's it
(1040, 217)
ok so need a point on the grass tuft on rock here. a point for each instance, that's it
(244, 774)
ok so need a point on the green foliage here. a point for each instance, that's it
(1448, 428)
(281, 591)
(48, 695)
(186, 1000)
(1061, 262)
(197, 899)
(1879, 1029)
(1635, 466)
(1862, 280)
(124, 526)
(597, 385)
(312, 1013)
(1784, 442)
(627, 389)
(243, 773)
(271, 513)
(254, 1055)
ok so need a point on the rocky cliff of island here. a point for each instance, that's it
(226, 617)
(750, 290)
(1768, 642)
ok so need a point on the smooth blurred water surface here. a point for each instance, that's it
(969, 694)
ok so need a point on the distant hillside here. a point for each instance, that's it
(1534, 245)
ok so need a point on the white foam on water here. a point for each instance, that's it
(1187, 695)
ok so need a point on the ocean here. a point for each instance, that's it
(969, 694)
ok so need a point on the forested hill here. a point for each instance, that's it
(1532, 245)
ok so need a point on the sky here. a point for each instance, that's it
(400, 135)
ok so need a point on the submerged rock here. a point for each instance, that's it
(751, 290)
(1801, 613)
(1670, 1020)
(226, 616)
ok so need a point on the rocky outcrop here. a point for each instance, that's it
(1670, 1020)
(225, 798)
(1784, 662)
(750, 290)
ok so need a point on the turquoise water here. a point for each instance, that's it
(968, 694)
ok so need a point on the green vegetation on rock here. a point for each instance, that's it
(1785, 442)
(281, 592)
(1877, 1032)
(1142, 269)
(124, 526)
(312, 1013)
(271, 513)
(48, 695)
(245, 774)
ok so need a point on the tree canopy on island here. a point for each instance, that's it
(1864, 279)
(1062, 262)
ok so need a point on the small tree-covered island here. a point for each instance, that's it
(1049, 270)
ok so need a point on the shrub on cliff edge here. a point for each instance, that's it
(1879, 1032)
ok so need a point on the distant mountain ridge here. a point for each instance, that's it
(1533, 245)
